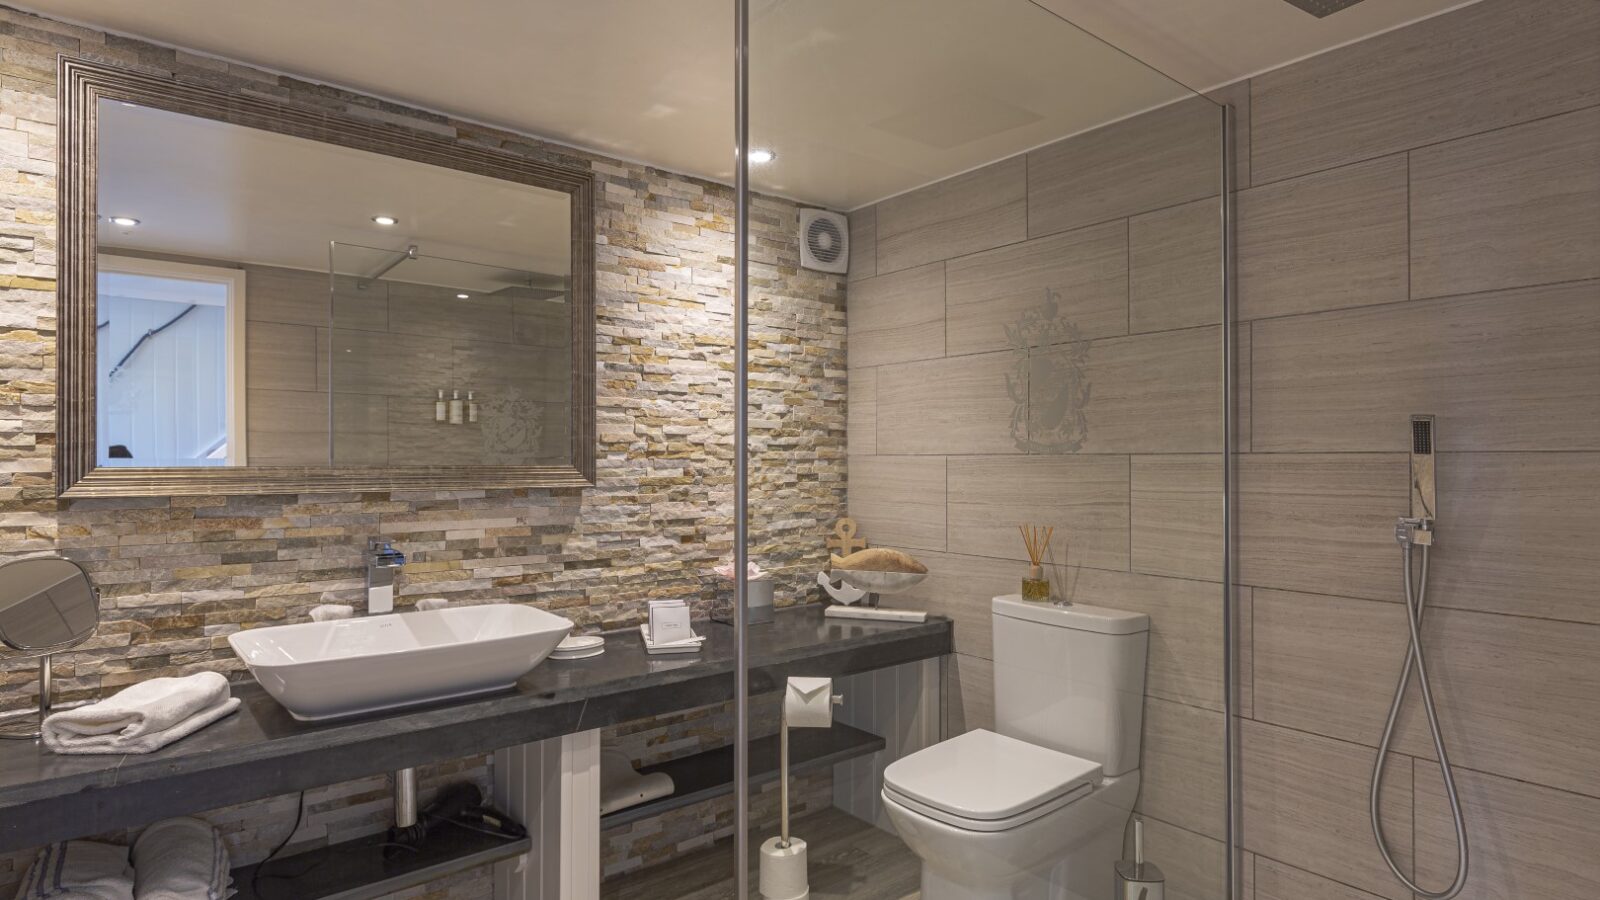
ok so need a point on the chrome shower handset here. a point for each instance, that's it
(1417, 528)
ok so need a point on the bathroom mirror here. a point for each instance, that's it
(259, 298)
(46, 604)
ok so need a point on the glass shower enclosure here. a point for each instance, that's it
(1025, 228)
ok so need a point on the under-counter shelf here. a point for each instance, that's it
(357, 870)
(710, 774)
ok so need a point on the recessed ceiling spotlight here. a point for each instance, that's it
(386, 220)
(124, 221)
(760, 157)
(463, 296)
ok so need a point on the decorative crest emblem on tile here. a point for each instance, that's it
(1048, 387)
(513, 425)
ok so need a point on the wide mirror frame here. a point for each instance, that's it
(82, 85)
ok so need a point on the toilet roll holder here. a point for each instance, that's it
(783, 769)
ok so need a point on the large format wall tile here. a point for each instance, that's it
(1161, 158)
(962, 588)
(968, 694)
(989, 292)
(1517, 533)
(975, 211)
(1528, 842)
(1183, 766)
(898, 317)
(899, 501)
(1185, 663)
(287, 428)
(1509, 208)
(1175, 267)
(1305, 803)
(1177, 516)
(1514, 370)
(281, 357)
(285, 296)
(1487, 66)
(1153, 393)
(1322, 522)
(861, 414)
(1195, 865)
(1085, 498)
(863, 243)
(958, 405)
(437, 312)
(1324, 241)
(1276, 881)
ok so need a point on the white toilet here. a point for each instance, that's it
(1037, 811)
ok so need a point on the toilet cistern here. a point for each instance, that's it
(383, 564)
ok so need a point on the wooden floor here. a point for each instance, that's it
(848, 859)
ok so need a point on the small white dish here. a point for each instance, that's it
(579, 646)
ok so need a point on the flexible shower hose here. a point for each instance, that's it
(1416, 597)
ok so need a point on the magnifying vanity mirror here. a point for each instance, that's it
(258, 298)
(47, 604)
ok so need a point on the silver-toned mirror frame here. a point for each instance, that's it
(81, 85)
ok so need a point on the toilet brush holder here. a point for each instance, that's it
(1139, 880)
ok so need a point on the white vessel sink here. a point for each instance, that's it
(324, 670)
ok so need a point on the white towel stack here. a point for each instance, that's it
(181, 859)
(79, 870)
(328, 612)
(143, 718)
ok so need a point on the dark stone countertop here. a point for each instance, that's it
(262, 751)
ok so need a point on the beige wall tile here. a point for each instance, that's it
(1177, 515)
(1512, 207)
(497, 371)
(281, 357)
(1195, 865)
(1517, 533)
(968, 694)
(1161, 158)
(1185, 662)
(285, 296)
(436, 312)
(863, 243)
(961, 588)
(287, 428)
(1305, 802)
(1243, 360)
(357, 303)
(897, 317)
(1415, 86)
(988, 292)
(1153, 393)
(1175, 267)
(1276, 881)
(1237, 96)
(370, 362)
(976, 211)
(1515, 370)
(1324, 241)
(1243, 649)
(1528, 842)
(1319, 522)
(1183, 767)
(958, 405)
(1085, 498)
(361, 430)
(899, 501)
(861, 422)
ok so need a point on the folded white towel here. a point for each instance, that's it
(328, 611)
(432, 603)
(181, 859)
(622, 786)
(79, 870)
(142, 718)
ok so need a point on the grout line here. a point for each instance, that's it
(1411, 293)
(1437, 297)
(1362, 891)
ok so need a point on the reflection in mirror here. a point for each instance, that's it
(270, 300)
(46, 603)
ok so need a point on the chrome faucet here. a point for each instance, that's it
(383, 564)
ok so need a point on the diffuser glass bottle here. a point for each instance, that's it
(1036, 587)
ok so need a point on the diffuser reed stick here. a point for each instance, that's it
(1037, 539)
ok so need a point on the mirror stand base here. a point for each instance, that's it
(26, 725)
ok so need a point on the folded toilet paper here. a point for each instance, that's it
(808, 702)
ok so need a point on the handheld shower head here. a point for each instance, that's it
(1424, 500)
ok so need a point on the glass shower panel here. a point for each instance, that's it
(1024, 228)
(435, 361)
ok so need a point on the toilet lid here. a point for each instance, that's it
(983, 776)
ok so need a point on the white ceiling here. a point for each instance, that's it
(861, 100)
(209, 189)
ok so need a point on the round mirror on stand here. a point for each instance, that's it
(47, 604)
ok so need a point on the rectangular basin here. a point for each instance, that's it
(325, 670)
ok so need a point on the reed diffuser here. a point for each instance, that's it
(1036, 587)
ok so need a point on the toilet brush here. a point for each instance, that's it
(807, 703)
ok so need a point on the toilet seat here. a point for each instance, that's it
(983, 781)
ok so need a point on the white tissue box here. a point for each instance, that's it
(669, 622)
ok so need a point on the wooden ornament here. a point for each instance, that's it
(845, 541)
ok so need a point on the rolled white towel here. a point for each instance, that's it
(432, 603)
(328, 611)
(79, 870)
(181, 859)
(142, 718)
